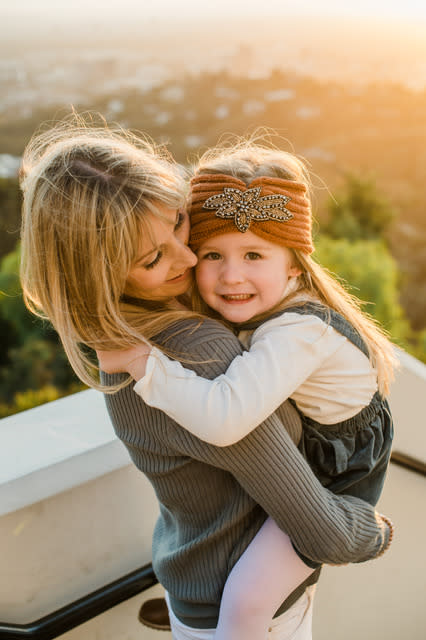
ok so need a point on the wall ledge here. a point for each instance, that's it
(55, 447)
(70, 441)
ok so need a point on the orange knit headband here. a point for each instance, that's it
(275, 209)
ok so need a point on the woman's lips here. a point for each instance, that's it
(182, 276)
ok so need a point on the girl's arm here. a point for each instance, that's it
(224, 410)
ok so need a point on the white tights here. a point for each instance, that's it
(267, 572)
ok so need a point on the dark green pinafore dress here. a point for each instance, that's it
(352, 456)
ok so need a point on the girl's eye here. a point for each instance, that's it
(180, 220)
(252, 255)
(156, 260)
(212, 255)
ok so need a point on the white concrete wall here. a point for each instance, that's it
(408, 404)
(61, 548)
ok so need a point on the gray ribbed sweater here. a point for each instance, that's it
(213, 500)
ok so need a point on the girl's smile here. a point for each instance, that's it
(241, 275)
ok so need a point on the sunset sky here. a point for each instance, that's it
(395, 10)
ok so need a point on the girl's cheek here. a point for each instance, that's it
(203, 275)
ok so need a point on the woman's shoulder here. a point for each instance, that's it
(199, 340)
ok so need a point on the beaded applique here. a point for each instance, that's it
(245, 206)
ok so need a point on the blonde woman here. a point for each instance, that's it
(105, 258)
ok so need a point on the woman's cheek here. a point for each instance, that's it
(142, 281)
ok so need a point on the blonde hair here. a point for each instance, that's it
(87, 192)
(247, 160)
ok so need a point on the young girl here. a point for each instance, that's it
(308, 341)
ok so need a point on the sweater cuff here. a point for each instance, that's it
(388, 533)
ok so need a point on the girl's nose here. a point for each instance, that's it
(231, 273)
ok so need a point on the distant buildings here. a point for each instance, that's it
(9, 165)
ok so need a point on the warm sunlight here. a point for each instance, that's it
(409, 11)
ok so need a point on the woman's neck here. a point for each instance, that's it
(181, 303)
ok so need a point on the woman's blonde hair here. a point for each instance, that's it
(87, 192)
(247, 160)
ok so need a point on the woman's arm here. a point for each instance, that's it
(224, 410)
(267, 464)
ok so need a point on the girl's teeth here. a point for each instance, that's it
(240, 296)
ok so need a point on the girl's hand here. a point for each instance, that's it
(132, 361)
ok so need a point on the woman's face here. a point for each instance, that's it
(163, 267)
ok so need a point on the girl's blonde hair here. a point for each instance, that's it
(248, 160)
(87, 192)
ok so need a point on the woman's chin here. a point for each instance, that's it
(168, 290)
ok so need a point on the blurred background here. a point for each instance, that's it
(344, 86)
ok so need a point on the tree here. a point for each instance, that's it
(359, 211)
(31, 356)
(372, 274)
(10, 214)
(12, 307)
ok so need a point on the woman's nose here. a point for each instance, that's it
(184, 257)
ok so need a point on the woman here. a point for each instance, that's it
(105, 258)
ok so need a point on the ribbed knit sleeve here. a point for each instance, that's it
(323, 526)
(266, 464)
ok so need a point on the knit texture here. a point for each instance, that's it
(295, 233)
(214, 500)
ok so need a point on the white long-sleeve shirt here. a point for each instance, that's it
(292, 356)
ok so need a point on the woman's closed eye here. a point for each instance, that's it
(156, 260)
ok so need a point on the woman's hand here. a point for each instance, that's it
(132, 361)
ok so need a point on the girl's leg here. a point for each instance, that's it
(267, 572)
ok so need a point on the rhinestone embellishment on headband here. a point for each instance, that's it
(245, 206)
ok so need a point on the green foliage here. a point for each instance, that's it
(417, 345)
(23, 400)
(409, 246)
(10, 214)
(372, 275)
(12, 307)
(31, 357)
(359, 212)
(355, 250)
(32, 365)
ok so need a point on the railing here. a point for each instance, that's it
(82, 610)
(408, 462)
(114, 593)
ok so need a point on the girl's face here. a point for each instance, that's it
(163, 267)
(241, 275)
